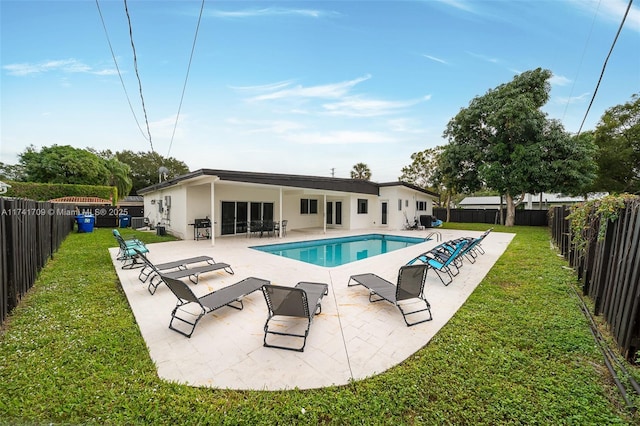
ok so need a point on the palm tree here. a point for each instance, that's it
(119, 176)
(361, 171)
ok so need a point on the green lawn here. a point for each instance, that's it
(518, 352)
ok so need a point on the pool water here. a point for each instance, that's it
(339, 251)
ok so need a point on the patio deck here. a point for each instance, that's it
(350, 340)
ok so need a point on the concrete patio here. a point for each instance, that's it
(350, 340)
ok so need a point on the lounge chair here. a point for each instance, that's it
(130, 251)
(227, 296)
(410, 286)
(302, 301)
(147, 271)
(443, 259)
(192, 273)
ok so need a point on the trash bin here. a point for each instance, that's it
(85, 222)
(160, 230)
(125, 220)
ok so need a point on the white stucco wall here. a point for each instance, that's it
(193, 201)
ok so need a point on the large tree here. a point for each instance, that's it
(423, 168)
(617, 137)
(63, 164)
(504, 141)
(145, 165)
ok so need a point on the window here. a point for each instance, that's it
(308, 206)
(399, 204)
(406, 203)
(421, 205)
(363, 206)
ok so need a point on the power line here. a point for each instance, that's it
(186, 78)
(584, 51)
(118, 69)
(135, 67)
(604, 66)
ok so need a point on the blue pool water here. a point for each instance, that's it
(338, 251)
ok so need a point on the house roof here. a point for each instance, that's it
(295, 181)
(81, 200)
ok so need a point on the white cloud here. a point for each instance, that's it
(563, 100)
(484, 57)
(457, 4)
(559, 80)
(270, 11)
(612, 11)
(60, 65)
(433, 58)
(326, 91)
(356, 106)
(340, 138)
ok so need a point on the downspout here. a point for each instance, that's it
(280, 214)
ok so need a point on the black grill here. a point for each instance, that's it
(202, 223)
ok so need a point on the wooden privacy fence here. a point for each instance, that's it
(492, 216)
(30, 232)
(609, 269)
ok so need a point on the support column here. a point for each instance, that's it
(213, 214)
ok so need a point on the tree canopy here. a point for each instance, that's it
(504, 141)
(144, 167)
(617, 137)
(63, 164)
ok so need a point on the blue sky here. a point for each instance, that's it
(301, 87)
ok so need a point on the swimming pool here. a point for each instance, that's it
(339, 251)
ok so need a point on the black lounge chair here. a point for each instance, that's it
(192, 273)
(301, 301)
(411, 279)
(147, 271)
(227, 296)
(130, 251)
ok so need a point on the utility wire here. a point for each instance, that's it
(113, 55)
(584, 51)
(184, 87)
(135, 67)
(604, 66)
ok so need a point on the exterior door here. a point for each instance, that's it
(234, 217)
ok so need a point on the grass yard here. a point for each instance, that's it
(519, 351)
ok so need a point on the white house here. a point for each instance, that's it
(231, 200)
(531, 201)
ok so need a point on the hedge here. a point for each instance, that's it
(49, 191)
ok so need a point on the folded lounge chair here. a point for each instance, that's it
(192, 273)
(302, 301)
(130, 251)
(147, 271)
(227, 296)
(410, 286)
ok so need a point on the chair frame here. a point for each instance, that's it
(230, 296)
(308, 294)
(148, 271)
(130, 250)
(156, 278)
(381, 289)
